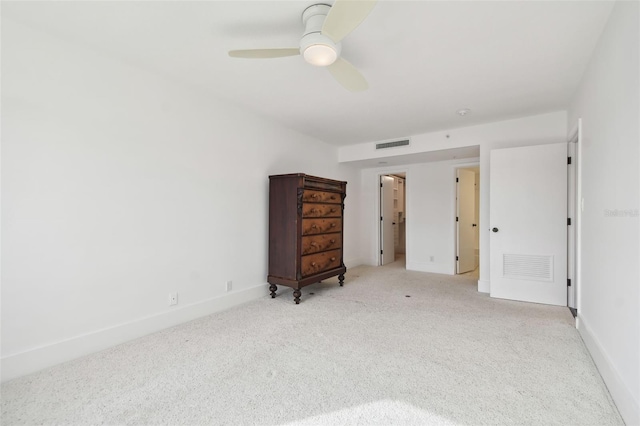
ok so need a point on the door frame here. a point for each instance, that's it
(454, 173)
(574, 197)
(379, 174)
(387, 206)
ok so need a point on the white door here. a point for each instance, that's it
(528, 219)
(387, 254)
(466, 196)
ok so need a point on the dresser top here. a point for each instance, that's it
(307, 178)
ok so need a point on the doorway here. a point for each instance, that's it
(467, 221)
(393, 207)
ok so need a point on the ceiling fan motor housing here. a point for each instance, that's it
(313, 18)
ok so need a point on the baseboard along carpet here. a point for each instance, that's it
(390, 347)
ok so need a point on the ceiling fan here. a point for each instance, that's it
(325, 27)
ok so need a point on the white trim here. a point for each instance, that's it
(435, 268)
(36, 359)
(628, 407)
(579, 208)
(484, 286)
(352, 263)
(575, 137)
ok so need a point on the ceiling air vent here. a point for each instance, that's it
(384, 145)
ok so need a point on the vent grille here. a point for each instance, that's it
(528, 267)
(384, 145)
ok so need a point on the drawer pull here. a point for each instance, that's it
(333, 258)
(314, 226)
(333, 197)
(313, 211)
(333, 225)
(333, 210)
(313, 244)
(314, 195)
(313, 263)
(332, 241)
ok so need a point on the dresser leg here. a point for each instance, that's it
(273, 289)
(296, 296)
(341, 279)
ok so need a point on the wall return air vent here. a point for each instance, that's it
(384, 145)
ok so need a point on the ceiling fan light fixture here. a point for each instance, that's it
(320, 55)
(319, 50)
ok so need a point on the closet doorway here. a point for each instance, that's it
(393, 207)
(467, 221)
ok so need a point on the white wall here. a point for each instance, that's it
(430, 192)
(120, 187)
(608, 290)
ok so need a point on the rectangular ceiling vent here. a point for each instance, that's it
(384, 145)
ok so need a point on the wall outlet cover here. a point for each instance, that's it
(173, 299)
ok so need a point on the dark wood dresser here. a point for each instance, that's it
(305, 231)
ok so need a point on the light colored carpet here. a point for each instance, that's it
(361, 354)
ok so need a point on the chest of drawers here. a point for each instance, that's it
(305, 231)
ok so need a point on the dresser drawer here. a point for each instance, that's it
(316, 243)
(321, 226)
(321, 197)
(315, 263)
(321, 210)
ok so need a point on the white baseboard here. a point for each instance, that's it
(42, 357)
(484, 286)
(352, 263)
(628, 407)
(436, 268)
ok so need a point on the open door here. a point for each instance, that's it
(387, 252)
(528, 211)
(466, 201)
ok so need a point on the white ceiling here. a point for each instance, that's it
(424, 60)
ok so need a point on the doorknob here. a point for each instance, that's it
(495, 229)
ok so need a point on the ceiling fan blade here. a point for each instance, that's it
(348, 75)
(264, 53)
(345, 16)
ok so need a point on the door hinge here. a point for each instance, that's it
(456, 218)
(568, 282)
(568, 160)
(380, 251)
(380, 217)
(568, 221)
(456, 257)
(456, 179)
(380, 184)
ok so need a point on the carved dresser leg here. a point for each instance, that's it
(296, 296)
(341, 279)
(273, 289)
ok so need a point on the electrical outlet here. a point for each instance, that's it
(229, 285)
(173, 299)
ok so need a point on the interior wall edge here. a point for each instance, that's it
(628, 407)
(352, 263)
(33, 360)
(434, 268)
(484, 286)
